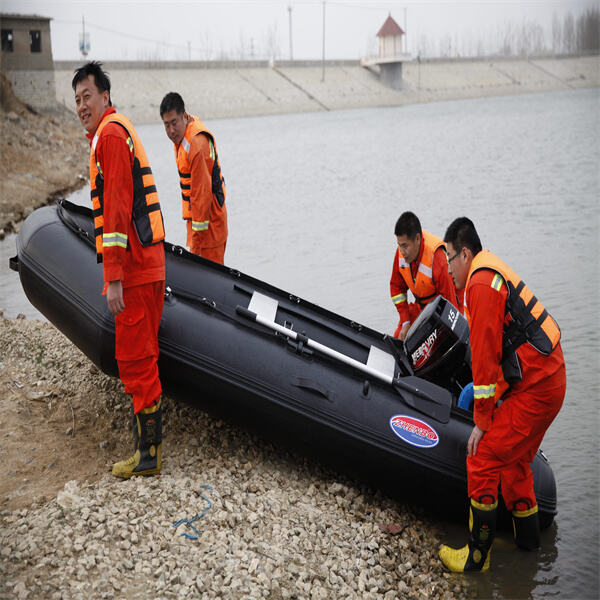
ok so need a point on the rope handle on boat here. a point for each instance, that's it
(169, 290)
(70, 223)
(198, 516)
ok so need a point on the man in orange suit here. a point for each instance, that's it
(129, 232)
(200, 178)
(421, 266)
(519, 384)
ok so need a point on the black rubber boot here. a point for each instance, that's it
(526, 528)
(475, 556)
(147, 459)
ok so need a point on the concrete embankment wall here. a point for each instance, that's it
(251, 88)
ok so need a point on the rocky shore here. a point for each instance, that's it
(271, 524)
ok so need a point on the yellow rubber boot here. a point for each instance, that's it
(147, 459)
(475, 556)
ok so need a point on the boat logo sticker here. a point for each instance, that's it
(414, 431)
(422, 353)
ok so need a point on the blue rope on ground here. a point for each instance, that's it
(190, 521)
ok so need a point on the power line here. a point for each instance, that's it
(130, 36)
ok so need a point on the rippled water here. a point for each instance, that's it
(312, 202)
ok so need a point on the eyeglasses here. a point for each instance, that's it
(451, 259)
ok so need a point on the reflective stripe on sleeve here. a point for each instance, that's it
(199, 225)
(484, 391)
(114, 239)
(399, 298)
(497, 282)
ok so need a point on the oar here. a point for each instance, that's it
(433, 400)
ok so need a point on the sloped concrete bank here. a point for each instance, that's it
(224, 90)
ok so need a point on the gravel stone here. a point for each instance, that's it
(278, 525)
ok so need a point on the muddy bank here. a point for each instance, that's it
(43, 156)
(275, 526)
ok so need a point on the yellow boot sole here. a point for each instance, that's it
(125, 468)
(455, 559)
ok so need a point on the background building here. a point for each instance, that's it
(390, 39)
(26, 58)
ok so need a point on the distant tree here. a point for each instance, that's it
(538, 39)
(206, 45)
(446, 45)
(241, 47)
(272, 43)
(569, 41)
(556, 35)
(423, 46)
(507, 40)
(588, 31)
(480, 48)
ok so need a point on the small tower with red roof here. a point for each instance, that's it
(390, 38)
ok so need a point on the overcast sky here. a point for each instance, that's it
(210, 29)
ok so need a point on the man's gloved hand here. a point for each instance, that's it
(465, 400)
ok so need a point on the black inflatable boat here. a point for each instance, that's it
(246, 351)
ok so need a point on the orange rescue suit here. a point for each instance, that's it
(129, 228)
(426, 277)
(202, 191)
(519, 380)
(147, 216)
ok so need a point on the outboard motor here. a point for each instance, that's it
(437, 346)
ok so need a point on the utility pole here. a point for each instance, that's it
(189, 50)
(291, 45)
(323, 60)
(83, 45)
(405, 34)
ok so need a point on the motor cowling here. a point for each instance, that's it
(437, 344)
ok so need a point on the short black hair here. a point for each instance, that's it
(462, 234)
(172, 101)
(100, 77)
(409, 225)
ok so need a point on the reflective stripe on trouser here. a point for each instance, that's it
(136, 342)
(507, 448)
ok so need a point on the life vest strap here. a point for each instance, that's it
(147, 209)
(423, 300)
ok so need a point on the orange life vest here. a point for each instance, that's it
(147, 216)
(422, 287)
(526, 319)
(195, 127)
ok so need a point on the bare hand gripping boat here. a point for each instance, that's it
(246, 351)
